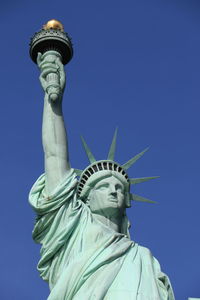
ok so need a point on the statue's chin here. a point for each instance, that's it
(111, 211)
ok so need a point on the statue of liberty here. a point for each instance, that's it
(87, 252)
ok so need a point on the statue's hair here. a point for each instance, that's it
(125, 225)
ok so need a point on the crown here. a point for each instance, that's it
(98, 168)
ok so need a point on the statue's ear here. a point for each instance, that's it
(128, 199)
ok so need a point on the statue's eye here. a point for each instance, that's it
(102, 187)
(119, 188)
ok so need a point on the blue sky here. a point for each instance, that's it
(136, 65)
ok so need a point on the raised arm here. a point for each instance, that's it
(54, 137)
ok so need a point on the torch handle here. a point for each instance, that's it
(52, 79)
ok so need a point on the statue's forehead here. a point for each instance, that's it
(109, 179)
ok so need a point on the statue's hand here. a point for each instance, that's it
(52, 77)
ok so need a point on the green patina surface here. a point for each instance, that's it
(83, 229)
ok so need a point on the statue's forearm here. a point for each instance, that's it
(54, 140)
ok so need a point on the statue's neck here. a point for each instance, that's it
(114, 223)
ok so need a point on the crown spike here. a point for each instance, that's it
(142, 179)
(111, 153)
(78, 172)
(141, 199)
(129, 163)
(88, 152)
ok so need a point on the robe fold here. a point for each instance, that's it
(83, 259)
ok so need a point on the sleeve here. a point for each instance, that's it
(57, 217)
(50, 210)
(153, 279)
(43, 204)
(163, 282)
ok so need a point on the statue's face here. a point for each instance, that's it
(108, 197)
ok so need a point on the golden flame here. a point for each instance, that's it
(53, 24)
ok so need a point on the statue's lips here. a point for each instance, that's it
(112, 199)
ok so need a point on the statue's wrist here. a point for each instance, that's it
(54, 92)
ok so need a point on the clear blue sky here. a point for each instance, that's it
(136, 65)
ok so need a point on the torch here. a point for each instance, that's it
(53, 43)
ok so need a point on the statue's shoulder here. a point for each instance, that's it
(144, 252)
(147, 257)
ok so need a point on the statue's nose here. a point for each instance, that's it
(112, 189)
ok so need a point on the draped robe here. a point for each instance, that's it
(83, 259)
